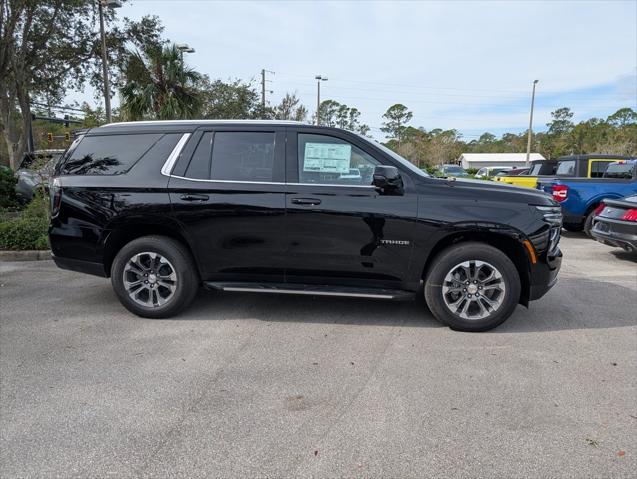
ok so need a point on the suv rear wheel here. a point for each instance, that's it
(154, 277)
(472, 287)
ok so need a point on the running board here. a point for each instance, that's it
(312, 289)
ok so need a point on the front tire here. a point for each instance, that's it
(472, 287)
(154, 277)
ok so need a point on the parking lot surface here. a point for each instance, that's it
(246, 385)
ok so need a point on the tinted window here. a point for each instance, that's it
(108, 155)
(330, 160)
(622, 170)
(243, 156)
(566, 168)
(199, 166)
(598, 168)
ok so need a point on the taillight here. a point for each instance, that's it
(599, 209)
(55, 193)
(630, 215)
(560, 192)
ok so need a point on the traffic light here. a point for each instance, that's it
(66, 123)
(67, 136)
(49, 137)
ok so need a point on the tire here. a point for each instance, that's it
(588, 223)
(503, 287)
(573, 227)
(156, 262)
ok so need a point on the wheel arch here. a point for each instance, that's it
(122, 234)
(508, 241)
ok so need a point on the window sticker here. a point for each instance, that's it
(327, 158)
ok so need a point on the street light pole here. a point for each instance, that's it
(528, 142)
(318, 79)
(107, 87)
(183, 48)
(107, 84)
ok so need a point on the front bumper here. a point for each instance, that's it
(544, 274)
(618, 233)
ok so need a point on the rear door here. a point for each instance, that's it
(227, 191)
(340, 229)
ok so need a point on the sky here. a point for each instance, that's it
(467, 65)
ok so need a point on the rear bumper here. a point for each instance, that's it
(80, 266)
(544, 275)
(571, 218)
(618, 233)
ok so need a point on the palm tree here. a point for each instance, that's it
(159, 86)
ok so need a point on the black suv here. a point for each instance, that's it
(163, 207)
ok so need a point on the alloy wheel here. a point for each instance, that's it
(150, 279)
(473, 290)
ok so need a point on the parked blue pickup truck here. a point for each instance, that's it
(580, 197)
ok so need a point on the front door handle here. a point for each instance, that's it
(306, 201)
(194, 197)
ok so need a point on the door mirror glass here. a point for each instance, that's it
(388, 180)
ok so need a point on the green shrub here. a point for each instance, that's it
(472, 171)
(8, 181)
(29, 229)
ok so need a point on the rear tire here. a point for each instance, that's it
(472, 287)
(154, 277)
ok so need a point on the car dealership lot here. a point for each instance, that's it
(272, 385)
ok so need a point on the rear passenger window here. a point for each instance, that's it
(598, 168)
(243, 156)
(108, 154)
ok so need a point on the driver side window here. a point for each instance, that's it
(329, 160)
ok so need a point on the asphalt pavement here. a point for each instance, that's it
(249, 385)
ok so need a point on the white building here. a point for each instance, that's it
(481, 160)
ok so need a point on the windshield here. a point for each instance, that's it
(535, 170)
(453, 169)
(407, 164)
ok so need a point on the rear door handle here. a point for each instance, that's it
(306, 201)
(194, 197)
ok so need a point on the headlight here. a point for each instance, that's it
(551, 214)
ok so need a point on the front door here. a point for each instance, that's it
(339, 228)
(227, 192)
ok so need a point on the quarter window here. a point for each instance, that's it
(108, 154)
(199, 166)
(330, 160)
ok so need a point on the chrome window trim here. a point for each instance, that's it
(172, 158)
(268, 182)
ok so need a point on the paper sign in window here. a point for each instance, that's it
(327, 158)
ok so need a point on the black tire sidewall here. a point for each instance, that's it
(179, 257)
(588, 223)
(454, 255)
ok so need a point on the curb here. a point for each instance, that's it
(30, 255)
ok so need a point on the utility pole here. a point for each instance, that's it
(263, 90)
(318, 79)
(528, 143)
(107, 84)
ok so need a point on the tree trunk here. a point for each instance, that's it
(8, 126)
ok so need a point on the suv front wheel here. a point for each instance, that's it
(154, 277)
(472, 287)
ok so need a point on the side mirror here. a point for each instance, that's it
(388, 180)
